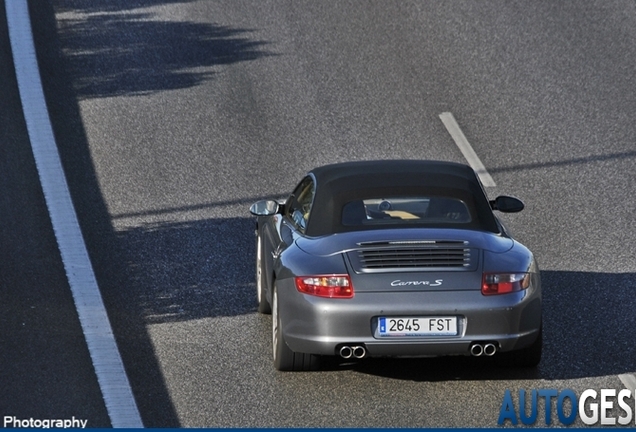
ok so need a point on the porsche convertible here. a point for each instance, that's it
(397, 258)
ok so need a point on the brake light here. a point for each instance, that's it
(503, 283)
(332, 286)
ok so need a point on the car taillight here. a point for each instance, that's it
(503, 283)
(333, 286)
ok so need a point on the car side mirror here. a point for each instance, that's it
(265, 208)
(507, 204)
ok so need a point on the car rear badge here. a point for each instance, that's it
(436, 282)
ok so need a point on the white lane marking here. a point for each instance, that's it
(629, 381)
(460, 139)
(107, 362)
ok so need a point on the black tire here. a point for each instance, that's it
(528, 357)
(284, 358)
(263, 305)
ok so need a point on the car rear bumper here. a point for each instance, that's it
(321, 326)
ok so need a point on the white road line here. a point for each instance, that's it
(629, 381)
(460, 139)
(107, 362)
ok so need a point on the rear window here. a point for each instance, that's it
(406, 210)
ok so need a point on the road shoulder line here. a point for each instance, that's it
(102, 347)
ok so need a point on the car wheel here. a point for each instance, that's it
(284, 358)
(263, 305)
(528, 357)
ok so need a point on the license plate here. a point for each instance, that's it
(417, 326)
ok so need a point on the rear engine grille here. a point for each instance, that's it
(413, 257)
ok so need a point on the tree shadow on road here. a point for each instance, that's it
(128, 48)
(191, 270)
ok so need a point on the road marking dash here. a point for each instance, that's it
(464, 146)
(629, 381)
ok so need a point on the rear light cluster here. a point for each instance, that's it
(503, 283)
(332, 286)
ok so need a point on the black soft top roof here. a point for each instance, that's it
(338, 184)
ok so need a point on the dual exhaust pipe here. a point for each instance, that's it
(358, 351)
(487, 349)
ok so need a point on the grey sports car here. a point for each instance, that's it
(395, 258)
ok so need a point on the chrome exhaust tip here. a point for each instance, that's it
(476, 350)
(359, 352)
(490, 349)
(346, 352)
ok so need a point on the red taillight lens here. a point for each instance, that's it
(503, 283)
(333, 286)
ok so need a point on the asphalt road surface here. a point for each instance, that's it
(171, 117)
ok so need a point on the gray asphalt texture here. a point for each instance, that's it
(173, 116)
